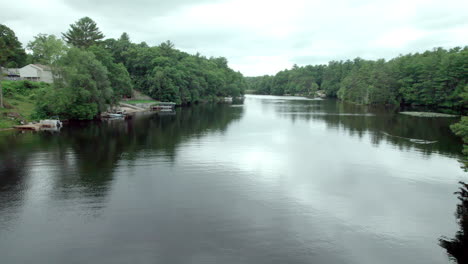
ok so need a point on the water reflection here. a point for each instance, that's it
(12, 181)
(381, 123)
(230, 184)
(79, 162)
(457, 247)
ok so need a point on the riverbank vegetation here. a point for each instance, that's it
(434, 78)
(167, 74)
(457, 247)
(20, 99)
(461, 130)
(92, 73)
(140, 101)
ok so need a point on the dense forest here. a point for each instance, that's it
(433, 78)
(92, 72)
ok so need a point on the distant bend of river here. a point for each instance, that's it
(271, 180)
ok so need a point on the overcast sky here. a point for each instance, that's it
(258, 36)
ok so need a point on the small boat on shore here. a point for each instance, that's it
(112, 115)
(51, 123)
(116, 114)
(164, 107)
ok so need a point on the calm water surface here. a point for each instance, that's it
(274, 180)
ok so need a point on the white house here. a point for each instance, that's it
(36, 72)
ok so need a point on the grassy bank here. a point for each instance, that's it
(19, 99)
(17, 109)
(134, 102)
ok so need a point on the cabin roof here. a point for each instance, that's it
(42, 67)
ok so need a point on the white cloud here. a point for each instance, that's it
(259, 36)
(399, 38)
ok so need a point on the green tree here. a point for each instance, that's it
(1, 88)
(119, 48)
(83, 34)
(116, 72)
(83, 90)
(12, 54)
(461, 130)
(434, 78)
(168, 74)
(47, 49)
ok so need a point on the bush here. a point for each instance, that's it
(83, 91)
(13, 88)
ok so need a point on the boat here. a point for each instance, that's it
(164, 106)
(51, 123)
(112, 115)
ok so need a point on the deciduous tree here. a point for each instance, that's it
(83, 90)
(12, 54)
(47, 49)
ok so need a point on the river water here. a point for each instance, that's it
(272, 180)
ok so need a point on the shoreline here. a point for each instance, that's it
(427, 114)
(132, 109)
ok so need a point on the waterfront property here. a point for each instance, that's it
(30, 72)
(36, 72)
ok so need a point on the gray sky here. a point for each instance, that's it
(259, 36)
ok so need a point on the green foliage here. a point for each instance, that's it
(84, 111)
(297, 81)
(83, 34)
(260, 85)
(20, 97)
(25, 88)
(168, 74)
(117, 73)
(461, 130)
(334, 74)
(46, 49)
(12, 55)
(83, 89)
(140, 101)
(368, 82)
(118, 48)
(5, 123)
(433, 78)
(89, 77)
(457, 248)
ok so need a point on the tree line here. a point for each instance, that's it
(436, 78)
(92, 72)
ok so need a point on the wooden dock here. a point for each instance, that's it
(164, 107)
(32, 127)
(50, 125)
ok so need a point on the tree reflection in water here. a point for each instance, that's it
(85, 155)
(457, 247)
(381, 123)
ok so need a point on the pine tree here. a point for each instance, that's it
(83, 34)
